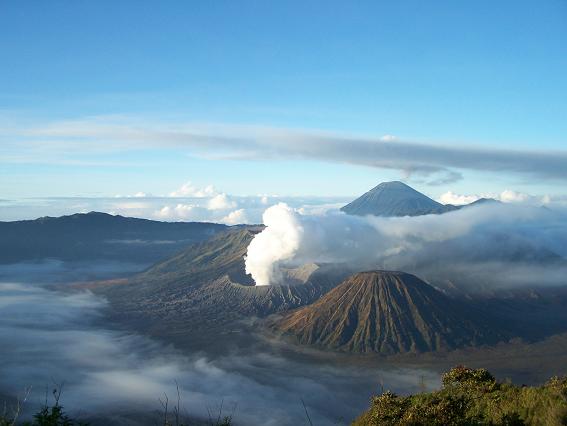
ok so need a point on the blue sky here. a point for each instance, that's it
(464, 75)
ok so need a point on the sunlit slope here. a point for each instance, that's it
(386, 312)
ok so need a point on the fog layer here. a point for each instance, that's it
(52, 337)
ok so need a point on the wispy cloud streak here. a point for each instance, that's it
(438, 163)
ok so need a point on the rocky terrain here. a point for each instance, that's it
(205, 287)
(387, 312)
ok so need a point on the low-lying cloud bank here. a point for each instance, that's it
(186, 203)
(487, 244)
(47, 336)
(506, 196)
(54, 271)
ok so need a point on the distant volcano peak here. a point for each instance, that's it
(393, 199)
(392, 184)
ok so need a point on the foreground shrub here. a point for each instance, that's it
(472, 397)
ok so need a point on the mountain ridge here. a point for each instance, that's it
(96, 236)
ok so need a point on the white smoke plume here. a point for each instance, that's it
(470, 236)
(278, 242)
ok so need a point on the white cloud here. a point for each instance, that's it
(506, 196)
(319, 209)
(165, 212)
(112, 134)
(139, 194)
(509, 196)
(184, 211)
(188, 203)
(190, 190)
(235, 217)
(131, 205)
(221, 202)
(450, 197)
(180, 211)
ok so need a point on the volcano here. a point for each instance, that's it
(386, 312)
(207, 284)
(394, 199)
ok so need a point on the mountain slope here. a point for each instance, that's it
(207, 284)
(210, 259)
(394, 199)
(385, 312)
(95, 236)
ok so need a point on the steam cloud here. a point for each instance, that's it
(468, 241)
(278, 242)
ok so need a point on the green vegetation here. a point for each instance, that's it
(472, 397)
